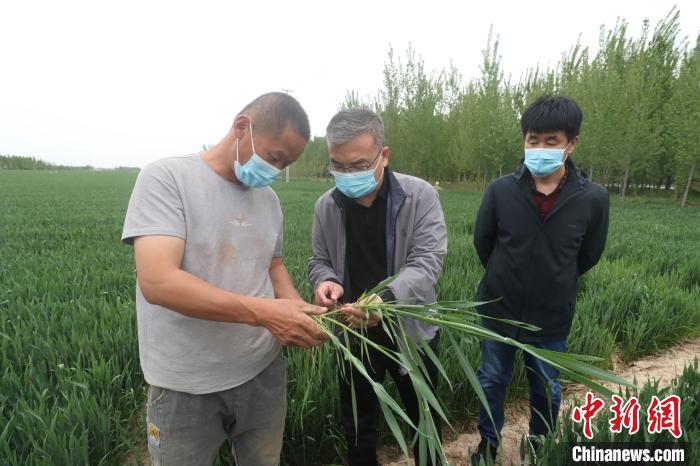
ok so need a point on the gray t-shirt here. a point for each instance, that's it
(231, 234)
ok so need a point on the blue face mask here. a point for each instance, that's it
(542, 161)
(358, 184)
(256, 173)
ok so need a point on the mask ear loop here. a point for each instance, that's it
(565, 156)
(260, 159)
(252, 142)
(383, 170)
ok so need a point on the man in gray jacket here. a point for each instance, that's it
(373, 225)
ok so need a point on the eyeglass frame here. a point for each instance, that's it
(332, 168)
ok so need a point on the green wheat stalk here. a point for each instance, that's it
(460, 318)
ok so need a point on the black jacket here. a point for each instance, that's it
(534, 266)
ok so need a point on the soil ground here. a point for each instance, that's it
(663, 366)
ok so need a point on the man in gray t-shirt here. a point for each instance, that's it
(214, 300)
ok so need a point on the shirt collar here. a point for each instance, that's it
(384, 190)
(559, 187)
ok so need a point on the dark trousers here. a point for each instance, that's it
(494, 376)
(362, 441)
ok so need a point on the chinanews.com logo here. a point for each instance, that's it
(662, 415)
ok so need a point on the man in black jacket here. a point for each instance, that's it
(537, 231)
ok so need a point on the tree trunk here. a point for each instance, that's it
(590, 173)
(688, 185)
(669, 181)
(623, 189)
(606, 174)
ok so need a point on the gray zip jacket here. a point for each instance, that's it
(416, 240)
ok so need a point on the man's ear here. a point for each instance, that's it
(572, 145)
(386, 153)
(240, 126)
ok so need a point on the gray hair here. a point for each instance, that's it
(350, 123)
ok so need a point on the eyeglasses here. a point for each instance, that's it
(335, 168)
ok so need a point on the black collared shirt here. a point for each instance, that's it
(365, 251)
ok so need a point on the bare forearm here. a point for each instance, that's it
(163, 282)
(183, 292)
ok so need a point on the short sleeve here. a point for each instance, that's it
(155, 207)
(279, 246)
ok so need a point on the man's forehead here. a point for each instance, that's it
(288, 142)
(547, 134)
(360, 147)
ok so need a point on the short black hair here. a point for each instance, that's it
(274, 111)
(552, 113)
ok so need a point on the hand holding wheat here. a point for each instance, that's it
(357, 315)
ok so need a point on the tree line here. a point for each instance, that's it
(640, 97)
(16, 162)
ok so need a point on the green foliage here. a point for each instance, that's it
(640, 97)
(684, 121)
(71, 388)
(458, 320)
(555, 450)
(15, 162)
(314, 161)
(70, 380)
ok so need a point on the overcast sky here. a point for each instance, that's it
(129, 82)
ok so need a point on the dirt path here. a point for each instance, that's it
(663, 366)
